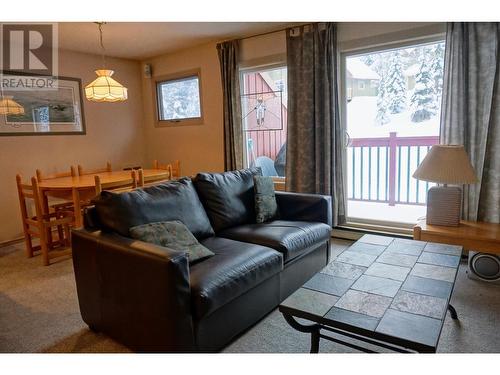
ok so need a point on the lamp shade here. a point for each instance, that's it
(10, 107)
(446, 164)
(105, 89)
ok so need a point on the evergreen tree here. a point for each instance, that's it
(396, 84)
(181, 99)
(382, 103)
(368, 59)
(437, 69)
(423, 101)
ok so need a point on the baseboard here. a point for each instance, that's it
(11, 242)
(352, 231)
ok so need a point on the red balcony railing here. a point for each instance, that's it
(380, 169)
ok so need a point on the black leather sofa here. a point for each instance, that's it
(149, 298)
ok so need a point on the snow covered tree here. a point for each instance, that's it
(396, 84)
(181, 99)
(382, 103)
(368, 59)
(423, 101)
(437, 69)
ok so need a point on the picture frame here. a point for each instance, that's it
(56, 111)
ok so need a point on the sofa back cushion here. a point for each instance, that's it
(228, 197)
(175, 200)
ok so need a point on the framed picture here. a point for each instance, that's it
(262, 111)
(46, 112)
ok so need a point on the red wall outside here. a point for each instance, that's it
(265, 142)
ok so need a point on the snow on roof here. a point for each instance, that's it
(412, 70)
(360, 70)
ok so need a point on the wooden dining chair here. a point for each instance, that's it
(40, 176)
(41, 224)
(152, 180)
(58, 205)
(126, 184)
(82, 171)
(174, 168)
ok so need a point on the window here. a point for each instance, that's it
(361, 85)
(179, 99)
(391, 126)
(264, 119)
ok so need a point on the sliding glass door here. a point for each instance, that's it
(392, 101)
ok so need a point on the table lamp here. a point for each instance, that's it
(445, 164)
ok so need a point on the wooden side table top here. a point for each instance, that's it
(471, 235)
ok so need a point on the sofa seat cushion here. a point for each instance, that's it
(228, 197)
(173, 200)
(235, 268)
(291, 238)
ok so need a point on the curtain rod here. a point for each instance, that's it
(274, 31)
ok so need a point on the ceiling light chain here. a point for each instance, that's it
(103, 50)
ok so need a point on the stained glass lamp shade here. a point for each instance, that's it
(105, 89)
(10, 107)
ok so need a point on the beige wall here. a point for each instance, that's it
(272, 47)
(198, 147)
(114, 133)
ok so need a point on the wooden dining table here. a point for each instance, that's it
(82, 188)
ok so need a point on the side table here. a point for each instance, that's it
(476, 236)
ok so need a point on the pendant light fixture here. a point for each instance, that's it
(104, 88)
(9, 107)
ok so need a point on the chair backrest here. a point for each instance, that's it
(82, 171)
(174, 168)
(152, 180)
(119, 185)
(40, 176)
(29, 192)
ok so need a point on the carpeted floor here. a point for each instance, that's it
(39, 313)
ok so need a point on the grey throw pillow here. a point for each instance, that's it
(266, 207)
(172, 234)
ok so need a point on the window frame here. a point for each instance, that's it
(250, 67)
(179, 76)
(368, 224)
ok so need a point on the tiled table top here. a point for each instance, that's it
(390, 289)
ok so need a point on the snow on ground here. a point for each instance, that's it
(361, 113)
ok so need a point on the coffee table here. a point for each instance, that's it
(389, 292)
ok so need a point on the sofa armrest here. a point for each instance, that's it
(305, 207)
(136, 292)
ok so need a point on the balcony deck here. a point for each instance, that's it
(379, 211)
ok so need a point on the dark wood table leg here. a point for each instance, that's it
(313, 329)
(453, 312)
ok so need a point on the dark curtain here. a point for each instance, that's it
(233, 135)
(315, 148)
(470, 113)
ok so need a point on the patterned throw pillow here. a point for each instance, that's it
(266, 207)
(171, 234)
